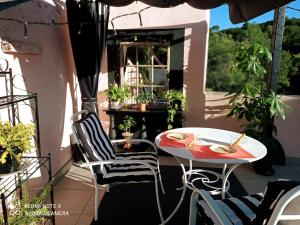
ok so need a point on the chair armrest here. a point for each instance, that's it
(222, 218)
(136, 141)
(101, 163)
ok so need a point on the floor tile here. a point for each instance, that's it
(75, 191)
(73, 201)
(67, 220)
(71, 182)
(90, 206)
(85, 220)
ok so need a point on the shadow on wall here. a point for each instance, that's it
(195, 72)
(216, 108)
(288, 129)
(205, 109)
(193, 67)
(49, 72)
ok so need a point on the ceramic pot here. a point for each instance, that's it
(115, 105)
(142, 107)
(127, 136)
(11, 164)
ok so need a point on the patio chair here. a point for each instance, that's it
(105, 164)
(280, 204)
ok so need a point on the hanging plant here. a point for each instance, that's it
(176, 102)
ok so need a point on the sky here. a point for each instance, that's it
(217, 18)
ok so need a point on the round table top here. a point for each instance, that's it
(211, 136)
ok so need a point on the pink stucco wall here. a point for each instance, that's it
(216, 107)
(195, 23)
(289, 129)
(50, 73)
(206, 109)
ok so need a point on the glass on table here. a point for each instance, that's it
(197, 137)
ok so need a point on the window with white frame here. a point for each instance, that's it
(144, 67)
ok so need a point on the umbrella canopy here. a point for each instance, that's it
(240, 10)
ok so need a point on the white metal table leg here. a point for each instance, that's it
(225, 176)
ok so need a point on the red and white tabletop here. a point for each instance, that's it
(196, 144)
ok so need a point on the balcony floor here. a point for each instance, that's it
(75, 191)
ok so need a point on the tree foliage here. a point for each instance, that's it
(225, 44)
(253, 101)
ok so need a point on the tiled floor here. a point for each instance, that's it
(75, 191)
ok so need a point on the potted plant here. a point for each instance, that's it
(143, 99)
(26, 211)
(14, 142)
(176, 102)
(257, 104)
(117, 95)
(128, 122)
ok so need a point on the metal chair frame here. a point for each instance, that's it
(102, 163)
(277, 214)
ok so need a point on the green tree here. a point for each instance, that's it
(223, 46)
(220, 55)
(255, 35)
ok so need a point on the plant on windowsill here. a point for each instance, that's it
(117, 95)
(258, 105)
(176, 103)
(128, 123)
(15, 141)
(143, 99)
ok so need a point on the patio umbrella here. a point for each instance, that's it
(239, 10)
(88, 21)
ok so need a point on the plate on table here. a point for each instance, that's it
(222, 149)
(176, 136)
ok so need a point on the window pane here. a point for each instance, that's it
(160, 55)
(145, 89)
(130, 77)
(133, 91)
(130, 55)
(145, 76)
(160, 76)
(144, 55)
(159, 92)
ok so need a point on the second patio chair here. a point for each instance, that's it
(107, 166)
(278, 205)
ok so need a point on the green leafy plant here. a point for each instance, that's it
(176, 102)
(12, 138)
(116, 93)
(144, 97)
(254, 102)
(128, 122)
(29, 212)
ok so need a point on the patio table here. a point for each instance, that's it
(201, 144)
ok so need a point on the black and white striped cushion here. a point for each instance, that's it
(240, 211)
(94, 140)
(97, 145)
(274, 191)
(130, 172)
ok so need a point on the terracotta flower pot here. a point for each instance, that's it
(143, 107)
(127, 136)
